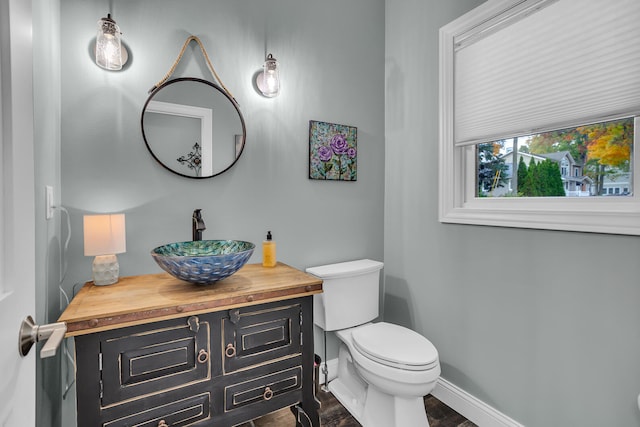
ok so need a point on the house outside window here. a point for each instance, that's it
(503, 105)
(596, 154)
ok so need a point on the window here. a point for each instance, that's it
(502, 97)
(537, 165)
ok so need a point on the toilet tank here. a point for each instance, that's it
(349, 294)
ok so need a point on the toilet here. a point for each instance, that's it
(384, 370)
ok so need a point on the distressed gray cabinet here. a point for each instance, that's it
(211, 362)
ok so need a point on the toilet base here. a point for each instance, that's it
(370, 406)
(380, 409)
(348, 387)
(354, 406)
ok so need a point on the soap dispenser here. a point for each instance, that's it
(269, 251)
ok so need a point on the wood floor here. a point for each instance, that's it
(333, 414)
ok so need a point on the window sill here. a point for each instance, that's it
(617, 217)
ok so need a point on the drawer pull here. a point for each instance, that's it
(268, 394)
(230, 351)
(162, 423)
(203, 356)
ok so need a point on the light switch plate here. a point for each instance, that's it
(48, 203)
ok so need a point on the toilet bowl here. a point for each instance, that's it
(380, 392)
(398, 360)
(384, 370)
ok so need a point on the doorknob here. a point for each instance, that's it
(30, 333)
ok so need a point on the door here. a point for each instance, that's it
(17, 221)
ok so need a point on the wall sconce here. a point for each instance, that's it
(268, 81)
(104, 236)
(110, 53)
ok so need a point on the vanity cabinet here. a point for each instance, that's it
(231, 353)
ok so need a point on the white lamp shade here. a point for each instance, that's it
(104, 234)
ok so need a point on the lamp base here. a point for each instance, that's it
(105, 270)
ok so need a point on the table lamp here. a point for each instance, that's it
(104, 237)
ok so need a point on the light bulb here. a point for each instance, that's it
(269, 80)
(108, 45)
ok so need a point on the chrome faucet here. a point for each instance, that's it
(197, 225)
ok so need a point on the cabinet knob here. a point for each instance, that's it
(203, 356)
(268, 394)
(162, 423)
(230, 351)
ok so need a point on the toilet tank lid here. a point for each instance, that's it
(345, 269)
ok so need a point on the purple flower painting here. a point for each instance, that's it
(333, 151)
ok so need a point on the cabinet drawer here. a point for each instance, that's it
(152, 361)
(264, 388)
(252, 337)
(179, 413)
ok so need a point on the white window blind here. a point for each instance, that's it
(561, 63)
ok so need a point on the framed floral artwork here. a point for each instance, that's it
(333, 151)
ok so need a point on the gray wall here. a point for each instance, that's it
(327, 75)
(332, 58)
(541, 325)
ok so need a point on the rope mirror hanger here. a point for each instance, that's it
(207, 60)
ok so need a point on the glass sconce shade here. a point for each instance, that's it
(268, 81)
(104, 236)
(109, 50)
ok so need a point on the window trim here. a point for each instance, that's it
(458, 204)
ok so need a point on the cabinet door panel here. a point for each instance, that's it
(179, 413)
(149, 362)
(255, 336)
(158, 360)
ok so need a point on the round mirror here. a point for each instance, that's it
(193, 127)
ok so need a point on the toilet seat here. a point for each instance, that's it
(395, 346)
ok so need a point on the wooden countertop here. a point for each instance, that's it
(143, 299)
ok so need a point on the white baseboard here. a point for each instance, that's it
(454, 397)
(471, 407)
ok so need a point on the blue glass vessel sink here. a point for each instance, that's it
(203, 261)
